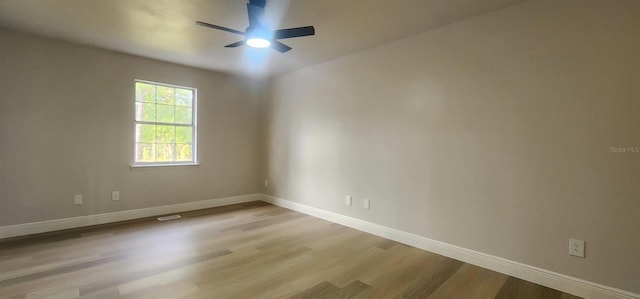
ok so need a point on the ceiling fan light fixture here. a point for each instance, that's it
(258, 42)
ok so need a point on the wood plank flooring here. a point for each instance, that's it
(252, 250)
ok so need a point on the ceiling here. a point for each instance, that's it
(165, 29)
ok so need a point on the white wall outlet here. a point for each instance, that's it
(77, 199)
(347, 200)
(115, 195)
(366, 203)
(266, 183)
(576, 247)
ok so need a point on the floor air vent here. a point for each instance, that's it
(167, 218)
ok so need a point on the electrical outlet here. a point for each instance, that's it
(77, 199)
(266, 183)
(115, 195)
(576, 247)
(366, 203)
(347, 200)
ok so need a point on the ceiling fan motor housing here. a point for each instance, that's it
(259, 3)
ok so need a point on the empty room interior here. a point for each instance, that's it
(320, 149)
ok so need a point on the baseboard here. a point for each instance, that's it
(74, 222)
(561, 282)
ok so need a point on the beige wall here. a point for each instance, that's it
(492, 134)
(66, 114)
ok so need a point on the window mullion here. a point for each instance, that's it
(162, 124)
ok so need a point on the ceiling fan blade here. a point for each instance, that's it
(280, 47)
(235, 45)
(294, 32)
(219, 27)
(255, 14)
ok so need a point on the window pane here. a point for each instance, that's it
(183, 134)
(144, 152)
(166, 114)
(165, 134)
(184, 97)
(164, 123)
(183, 152)
(165, 152)
(165, 95)
(183, 115)
(145, 133)
(145, 112)
(145, 92)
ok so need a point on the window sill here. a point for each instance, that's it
(162, 165)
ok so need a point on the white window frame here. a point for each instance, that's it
(194, 126)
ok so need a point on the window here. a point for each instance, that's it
(165, 124)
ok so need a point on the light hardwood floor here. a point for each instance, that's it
(252, 250)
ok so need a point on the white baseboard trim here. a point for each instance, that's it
(561, 282)
(74, 222)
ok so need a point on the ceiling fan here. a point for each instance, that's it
(259, 36)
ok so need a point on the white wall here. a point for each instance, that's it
(493, 134)
(66, 127)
